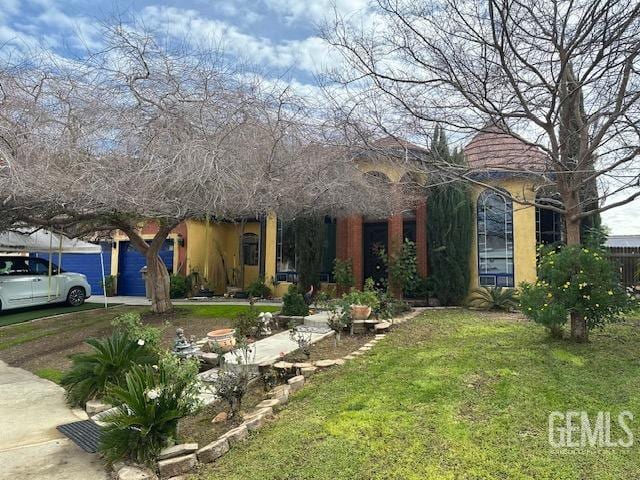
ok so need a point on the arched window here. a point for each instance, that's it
(495, 239)
(250, 248)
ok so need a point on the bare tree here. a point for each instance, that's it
(562, 77)
(142, 131)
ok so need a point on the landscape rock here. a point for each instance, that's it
(349, 357)
(269, 403)
(296, 383)
(220, 418)
(210, 358)
(281, 393)
(254, 423)
(283, 365)
(308, 371)
(325, 363)
(129, 472)
(177, 450)
(93, 407)
(265, 412)
(339, 361)
(213, 451)
(357, 353)
(370, 344)
(236, 435)
(173, 467)
(302, 365)
(364, 349)
(380, 336)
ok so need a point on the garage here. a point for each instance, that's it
(130, 262)
(87, 264)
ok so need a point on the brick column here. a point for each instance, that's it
(341, 238)
(395, 239)
(354, 248)
(421, 239)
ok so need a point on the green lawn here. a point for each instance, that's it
(12, 317)
(224, 311)
(452, 394)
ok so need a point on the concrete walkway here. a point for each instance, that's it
(30, 446)
(145, 301)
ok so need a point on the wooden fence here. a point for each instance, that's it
(628, 261)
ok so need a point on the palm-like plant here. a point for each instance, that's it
(151, 403)
(494, 298)
(108, 362)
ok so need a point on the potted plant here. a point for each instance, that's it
(361, 302)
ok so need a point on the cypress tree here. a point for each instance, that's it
(449, 230)
(309, 234)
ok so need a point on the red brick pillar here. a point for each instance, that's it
(421, 239)
(395, 239)
(341, 238)
(354, 248)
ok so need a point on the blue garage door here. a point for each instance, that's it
(87, 264)
(130, 261)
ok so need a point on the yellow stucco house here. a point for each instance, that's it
(229, 256)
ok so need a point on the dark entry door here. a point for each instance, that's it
(375, 237)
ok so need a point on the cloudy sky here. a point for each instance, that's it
(280, 36)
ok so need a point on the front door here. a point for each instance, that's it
(375, 238)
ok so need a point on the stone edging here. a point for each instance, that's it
(181, 459)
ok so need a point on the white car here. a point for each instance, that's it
(25, 282)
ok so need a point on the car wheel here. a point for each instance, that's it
(75, 297)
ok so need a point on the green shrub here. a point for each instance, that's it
(293, 303)
(575, 280)
(130, 324)
(108, 363)
(231, 386)
(259, 289)
(343, 273)
(109, 285)
(247, 323)
(179, 286)
(151, 401)
(494, 298)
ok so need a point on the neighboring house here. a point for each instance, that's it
(504, 246)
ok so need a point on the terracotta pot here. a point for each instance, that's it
(360, 312)
(225, 338)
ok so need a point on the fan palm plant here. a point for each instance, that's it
(108, 362)
(494, 298)
(152, 400)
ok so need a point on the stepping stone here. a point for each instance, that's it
(213, 451)
(369, 344)
(177, 450)
(302, 365)
(382, 327)
(364, 349)
(349, 357)
(357, 353)
(236, 435)
(308, 371)
(380, 336)
(283, 365)
(339, 361)
(173, 467)
(296, 383)
(325, 363)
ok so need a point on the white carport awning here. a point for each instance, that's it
(43, 240)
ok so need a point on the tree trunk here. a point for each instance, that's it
(579, 331)
(158, 283)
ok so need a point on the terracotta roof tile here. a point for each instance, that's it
(491, 148)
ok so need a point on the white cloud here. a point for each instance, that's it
(309, 54)
(315, 10)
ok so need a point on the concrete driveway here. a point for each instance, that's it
(30, 446)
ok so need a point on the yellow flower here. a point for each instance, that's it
(610, 292)
(597, 305)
